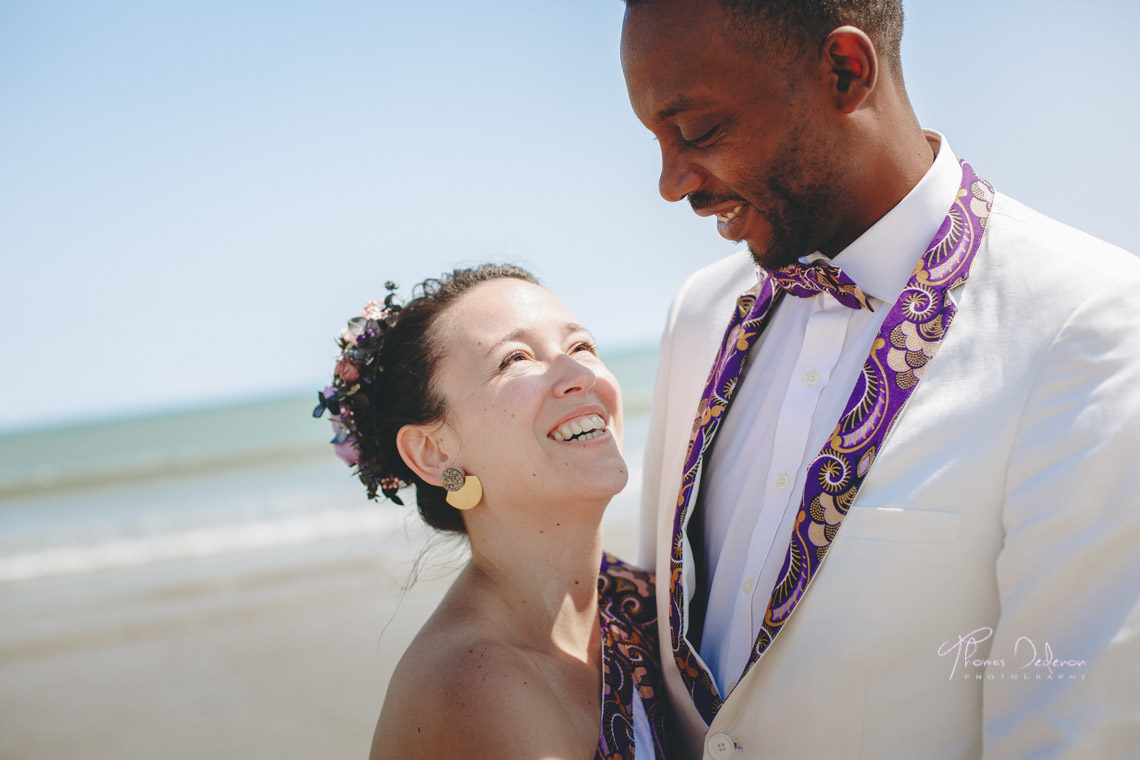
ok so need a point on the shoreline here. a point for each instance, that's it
(283, 652)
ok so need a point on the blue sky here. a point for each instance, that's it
(195, 196)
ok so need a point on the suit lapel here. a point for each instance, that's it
(749, 317)
(910, 336)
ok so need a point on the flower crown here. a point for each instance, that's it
(361, 343)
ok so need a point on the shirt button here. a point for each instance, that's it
(732, 686)
(782, 481)
(746, 587)
(721, 746)
(810, 378)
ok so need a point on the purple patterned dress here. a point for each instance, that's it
(633, 691)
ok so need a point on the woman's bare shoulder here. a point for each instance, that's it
(459, 693)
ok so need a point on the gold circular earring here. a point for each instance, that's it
(463, 491)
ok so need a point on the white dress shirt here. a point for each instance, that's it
(797, 382)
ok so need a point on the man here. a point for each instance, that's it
(903, 523)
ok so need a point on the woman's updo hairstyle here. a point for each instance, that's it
(383, 381)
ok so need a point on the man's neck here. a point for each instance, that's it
(898, 161)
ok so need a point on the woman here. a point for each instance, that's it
(486, 395)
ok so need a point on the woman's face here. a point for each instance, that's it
(531, 409)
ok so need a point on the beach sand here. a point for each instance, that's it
(281, 653)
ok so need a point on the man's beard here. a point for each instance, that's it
(793, 216)
(796, 219)
(802, 200)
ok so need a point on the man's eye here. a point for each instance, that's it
(701, 140)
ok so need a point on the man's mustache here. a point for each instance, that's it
(702, 200)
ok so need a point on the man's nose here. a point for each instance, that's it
(679, 177)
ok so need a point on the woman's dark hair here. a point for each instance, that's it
(384, 381)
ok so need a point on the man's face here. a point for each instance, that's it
(742, 136)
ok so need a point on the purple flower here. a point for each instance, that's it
(348, 451)
(341, 432)
(345, 443)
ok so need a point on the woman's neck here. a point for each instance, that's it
(540, 565)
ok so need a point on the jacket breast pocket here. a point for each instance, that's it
(901, 524)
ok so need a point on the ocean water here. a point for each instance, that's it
(200, 482)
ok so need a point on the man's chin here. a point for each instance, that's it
(771, 257)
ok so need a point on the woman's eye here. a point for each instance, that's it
(585, 345)
(512, 357)
(701, 140)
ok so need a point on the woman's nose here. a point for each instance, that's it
(573, 377)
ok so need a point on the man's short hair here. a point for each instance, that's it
(805, 24)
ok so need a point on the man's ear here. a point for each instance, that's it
(424, 450)
(852, 65)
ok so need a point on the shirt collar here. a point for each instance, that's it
(882, 259)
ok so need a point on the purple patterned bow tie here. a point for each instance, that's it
(805, 280)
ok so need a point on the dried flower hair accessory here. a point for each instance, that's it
(360, 342)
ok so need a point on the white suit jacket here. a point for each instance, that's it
(982, 597)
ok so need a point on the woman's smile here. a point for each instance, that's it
(581, 425)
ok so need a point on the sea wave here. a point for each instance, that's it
(50, 477)
(196, 544)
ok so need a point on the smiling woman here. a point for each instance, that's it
(487, 395)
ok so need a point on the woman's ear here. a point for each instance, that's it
(423, 449)
(852, 65)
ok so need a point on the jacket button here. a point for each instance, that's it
(721, 746)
